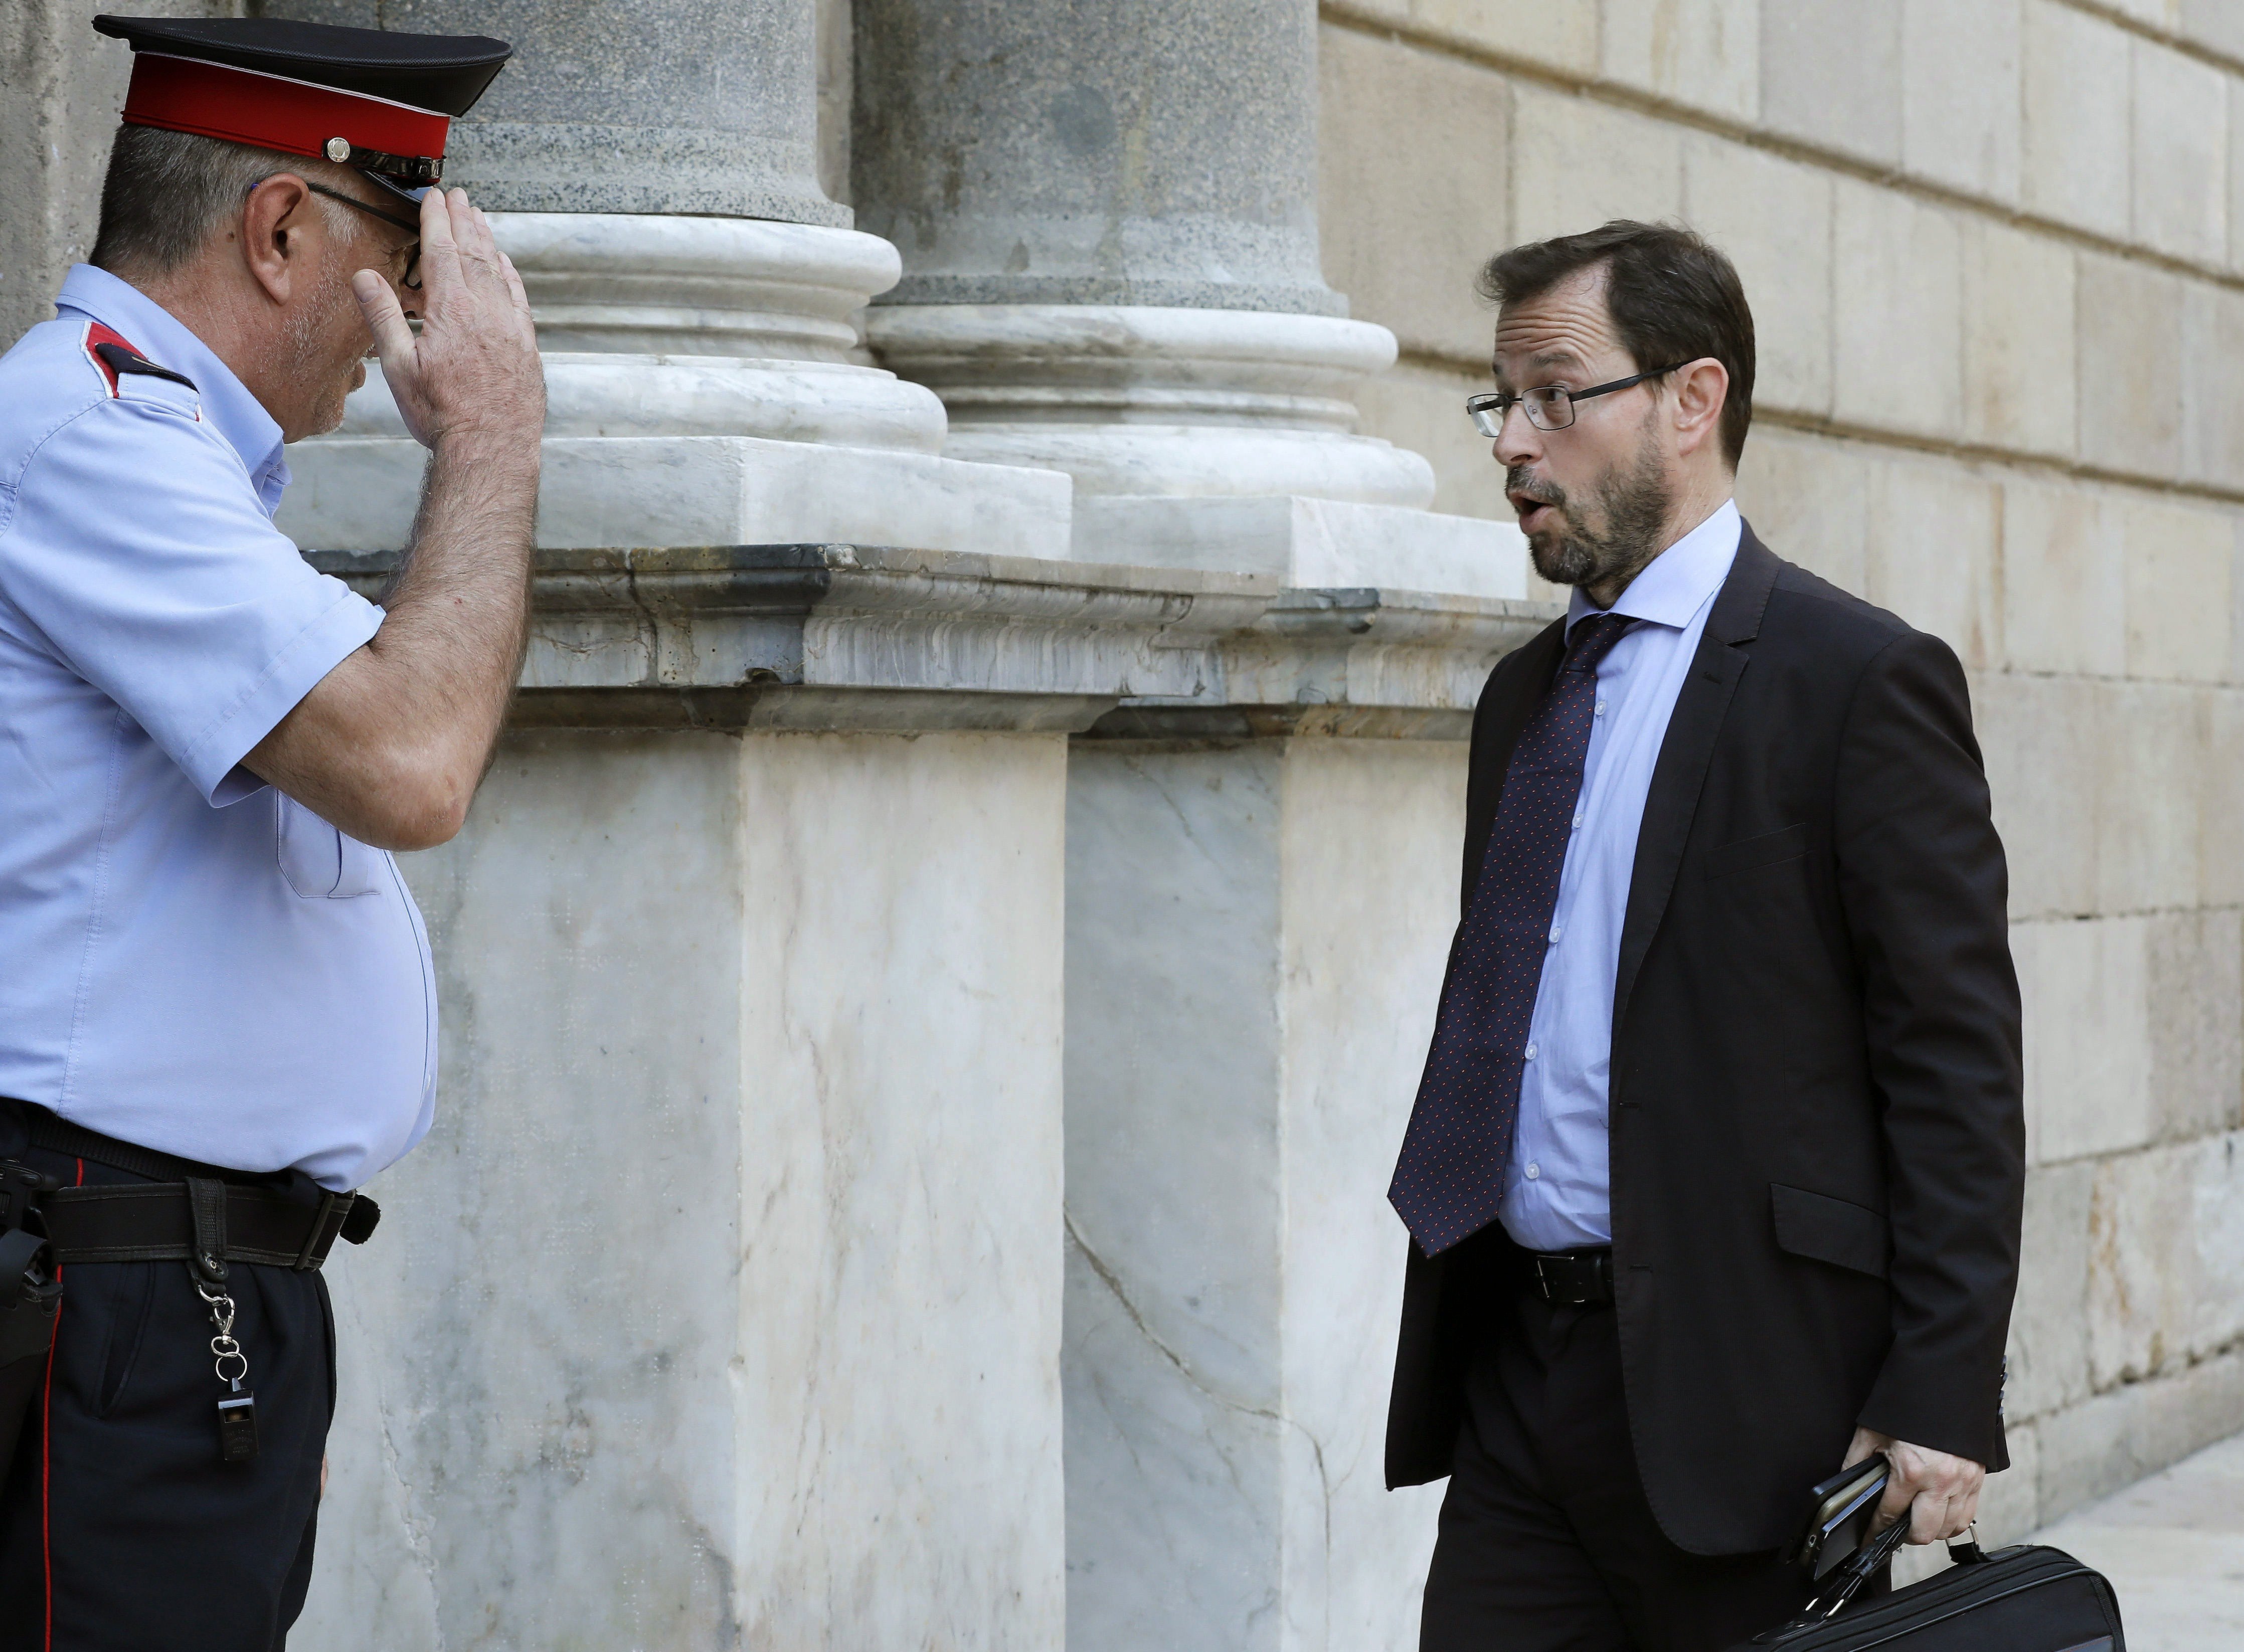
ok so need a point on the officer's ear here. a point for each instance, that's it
(280, 221)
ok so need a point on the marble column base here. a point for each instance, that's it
(360, 493)
(1309, 543)
(1256, 931)
(1138, 400)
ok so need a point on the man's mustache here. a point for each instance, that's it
(1519, 480)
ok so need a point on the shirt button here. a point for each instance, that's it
(1579, 821)
(1557, 930)
(1534, 1172)
(1601, 708)
(1530, 1052)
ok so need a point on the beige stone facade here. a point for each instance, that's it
(1995, 253)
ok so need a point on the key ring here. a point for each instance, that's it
(223, 1345)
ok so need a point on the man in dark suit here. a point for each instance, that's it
(1713, 1179)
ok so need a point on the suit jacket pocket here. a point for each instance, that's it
(1787, 843)
(1828, 1229)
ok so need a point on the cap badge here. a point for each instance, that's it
(338, 149)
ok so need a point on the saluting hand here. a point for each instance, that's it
(1938, 1493)
(475, 365)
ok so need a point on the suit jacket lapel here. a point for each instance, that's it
(1673, 800)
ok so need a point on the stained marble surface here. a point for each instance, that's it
(722, 1306)
(1255, 937)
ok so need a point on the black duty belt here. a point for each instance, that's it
(1572, 1277)
(195, 1213)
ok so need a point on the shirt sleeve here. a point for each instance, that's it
(139, 551)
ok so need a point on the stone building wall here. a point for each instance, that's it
(1996, 256)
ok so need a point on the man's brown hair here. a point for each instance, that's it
(1672, 295)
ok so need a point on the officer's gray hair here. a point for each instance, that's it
(167, 190)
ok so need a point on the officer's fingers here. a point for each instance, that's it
(440, 249)
(525, 327)
(385, 319)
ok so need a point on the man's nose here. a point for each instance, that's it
(1518, 441)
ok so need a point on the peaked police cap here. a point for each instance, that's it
(380, 101)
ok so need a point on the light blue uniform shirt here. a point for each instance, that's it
(188, 959)
(1558, 1192)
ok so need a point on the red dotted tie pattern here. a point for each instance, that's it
(1448, 1183)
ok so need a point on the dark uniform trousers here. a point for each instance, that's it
(1547, 1542)
(120, 1528)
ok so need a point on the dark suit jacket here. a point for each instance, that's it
(1817, 1137)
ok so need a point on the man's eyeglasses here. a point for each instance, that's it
(1550, 407)
(412, 277)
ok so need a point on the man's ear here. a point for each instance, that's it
(276, 218)
(1701, 388)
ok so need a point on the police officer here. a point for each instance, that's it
(217, 1015)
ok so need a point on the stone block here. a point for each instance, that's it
(2063, 579)
(2149, 800)
(2039, 736)
(2221, 829)
(1576, 163)
(1702, 53)
(2181, 154)
(359, 494)
(2130, 355)
(1830, 74)
(2212, 384)
(1959, 95)
(2074, 163)
(2180, 611)
(2092, 1449)
(2049, 1327)
(2196, 962)
(1933, 543)
(1898, 300)
(1562, 38)
(2019, 380)
(1422, 406)
(1772, 217)
(1413, 152)
(1314, 545)
(2215, 23)
(2236, 171)
(2010, 1503)
(1808, 498)
(2141, 1274)
(2216, 1198)
(2085, 989)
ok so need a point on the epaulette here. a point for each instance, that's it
(115, 355)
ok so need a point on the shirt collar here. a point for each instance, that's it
(1677, 582)
(165, 340)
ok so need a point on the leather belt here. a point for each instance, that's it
(1576, 1277)
(155, 1222)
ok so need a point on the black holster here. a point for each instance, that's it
(29, 1297)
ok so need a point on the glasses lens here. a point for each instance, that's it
(1550, 407)
(1487, 414)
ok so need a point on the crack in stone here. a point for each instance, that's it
(1108, 1277)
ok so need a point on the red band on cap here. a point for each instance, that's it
(243, 106)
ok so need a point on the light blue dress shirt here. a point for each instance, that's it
(1557, 1191)
(189, 960)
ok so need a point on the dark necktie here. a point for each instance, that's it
(1448, 1183)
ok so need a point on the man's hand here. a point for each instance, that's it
(1940, 1494)
(474, 365)
(390, 744)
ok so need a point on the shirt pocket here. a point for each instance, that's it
(319, 862)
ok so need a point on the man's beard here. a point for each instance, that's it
(1633, 505)
(311, 334)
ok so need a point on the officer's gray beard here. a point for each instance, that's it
(314, 330)
(1633, 507)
